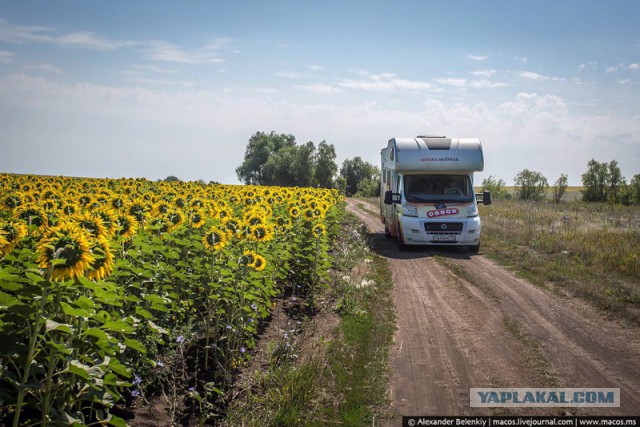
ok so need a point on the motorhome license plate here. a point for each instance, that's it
(444, 237)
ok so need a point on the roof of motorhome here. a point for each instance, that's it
(423, 154)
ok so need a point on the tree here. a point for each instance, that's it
(356, 170)
(172, 178)
(260, 148)
(603, 182)
(560, 187)
(617, 183)
(495, 186)
(634, 190)
(326, 167)
(531, 185)
(276, 159)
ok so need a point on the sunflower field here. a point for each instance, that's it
(112, 289)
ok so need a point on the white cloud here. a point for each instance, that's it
(21, 34)
(634, 66)
(321, 88)
(526, 104)
(169, 52)
(386, 82)
(477, 57)
(483, 73)
(47, 68)
(6, 57)
(536, 76)
(143, 69)
(474, 84)
(521, 59)
(315, 68)
(289, 74)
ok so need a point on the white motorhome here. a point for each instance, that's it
(427, 191)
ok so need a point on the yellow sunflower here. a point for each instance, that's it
(294, 212)
(108, 217)
(69, 243)
(91, 223)
(11, 233)
(103, 262)
(318, 230)
(33, 215)
(248, 258)
(197, 219)
(215, 239)
(127, 225)
(260, 233)
(259, 263)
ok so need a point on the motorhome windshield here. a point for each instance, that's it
(438, 188)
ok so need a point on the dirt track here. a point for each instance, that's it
(485, 327)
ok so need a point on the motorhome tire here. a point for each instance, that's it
(401, 245)
(387, 233)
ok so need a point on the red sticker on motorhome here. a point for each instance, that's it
(442, 212)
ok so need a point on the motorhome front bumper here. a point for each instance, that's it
(454, 231)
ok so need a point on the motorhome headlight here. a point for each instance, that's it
(410, 211)
(472, 211)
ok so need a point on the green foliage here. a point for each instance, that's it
(496, 186)
(360, 175)
(530, 185)
(634, 190)
(603, 182)
(172, 178)
(71, 350)
(560, 187)
(276, 159)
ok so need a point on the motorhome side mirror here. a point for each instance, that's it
(390, 197)
(486, 197)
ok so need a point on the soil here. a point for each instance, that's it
(485, 327)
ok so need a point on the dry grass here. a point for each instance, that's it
(590, 250)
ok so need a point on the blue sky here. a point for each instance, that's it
(158, 88)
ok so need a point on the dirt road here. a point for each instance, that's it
(463, 321)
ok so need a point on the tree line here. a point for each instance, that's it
(602, 182)
(277, 159)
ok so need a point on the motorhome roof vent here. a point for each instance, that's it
(430, 136)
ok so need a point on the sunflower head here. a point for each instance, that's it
(108, 218)
(215, 239)
(260, 233)
(103, 262)
(259, 263)
(91, 223)
(127, 225)
(67, 245)
(33, 215)
(196, 219)
(308, 213)
(248, 258)
(294, 212)
(11, 233)
(318, 230)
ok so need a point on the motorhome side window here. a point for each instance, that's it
(444, 188)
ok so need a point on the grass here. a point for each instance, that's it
(531, 351)
(588, 250)
(338, 376)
